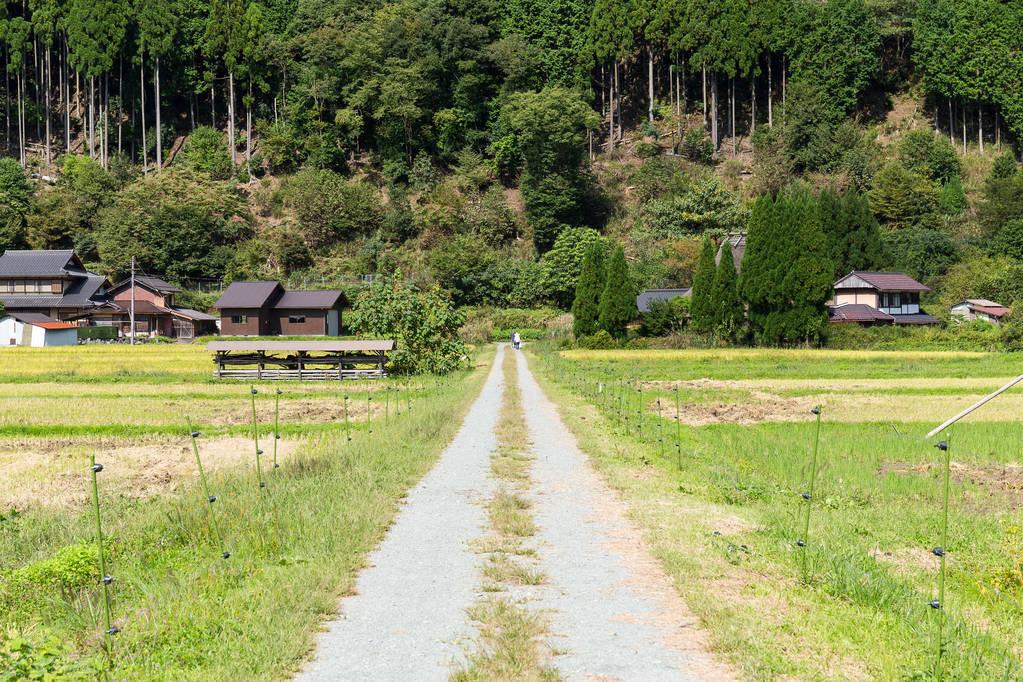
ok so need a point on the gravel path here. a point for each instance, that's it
(407, 619)
(614, 613)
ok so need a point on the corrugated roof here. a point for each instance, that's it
(885, 281)
(858, 312)
(196, 315)
(40, 320)
(53, 325)
(316, 300)
(919, 318)
(992, 310)
(313, 346)
(37, 263)
(647, 297)
(984, 302)
(248, 295)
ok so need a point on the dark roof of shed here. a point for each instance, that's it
(31, 317)
(195, 315)
(323, 299)
(647, 297)
(248, 295)
(858, 312)
(39, 263)
(919, 318)
(737, 243)
(885, 281)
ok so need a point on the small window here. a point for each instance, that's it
(296, 319)
(239, 319)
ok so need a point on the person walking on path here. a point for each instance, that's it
(516, 340)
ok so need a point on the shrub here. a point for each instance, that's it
(618, 302)
(1005, 166)
(930, 155)
(665, 317)
(329, 208)
(206, 151)
(43, 657)
(952, 200)
(702, 206)
(900, 198)
(697, 146)
(100, 333)
(921, 253)
(601, 340)
(563, 263)
(424, 325)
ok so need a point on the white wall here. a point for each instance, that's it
(9, 329)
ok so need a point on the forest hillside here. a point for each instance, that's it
(485, 146)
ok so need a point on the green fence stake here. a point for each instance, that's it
(255, 440)
(660, 431)
(808, 495)
(210, 498)
(105, 580)
(369, 411)
(277, 424)
(678, 428)
(387, 405)
(939, 551)
(348, 426)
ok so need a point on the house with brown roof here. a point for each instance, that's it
(155, 311)
(53, 283)
(870, 298)
(266, 309)
(980, 309)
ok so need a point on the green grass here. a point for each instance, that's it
(724, 523)
(187, 614)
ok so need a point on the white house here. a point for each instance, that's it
(35, 329)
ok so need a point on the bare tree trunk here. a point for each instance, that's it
(21, 123)
(156, 108)
(714, 111)
(998, 131)
(650, 83)
(783, 87)
(120, 100)
(770, 92)
(704, 68)
(611, 110)
(680, 96)
(92, 117)
(213, 105)
(67, 102)
(618, 103)
(731, 104)
(46, 109)
(980, 126)
(964, 128)
(142, 107)
(753, 105)
(230, 118)
(248, 134)
(951, 123)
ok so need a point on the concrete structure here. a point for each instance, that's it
(37, 330)
(266, 309)
(980, 309)
(50, 283)
(648, 296)
(878, 298)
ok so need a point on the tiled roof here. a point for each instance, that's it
(195, 315)
(992, 310)
(248, 295)
(885, 281)
(316, 300)
(858, 312)
(37, 263)
(153, 283)
(647, 297)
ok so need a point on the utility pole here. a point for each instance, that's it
(132, 311)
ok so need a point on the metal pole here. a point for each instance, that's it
(105, 579)
(132, 311)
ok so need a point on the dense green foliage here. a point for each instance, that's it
(588, 290)
(617, 302)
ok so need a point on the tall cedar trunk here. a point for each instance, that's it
(951, 123)
(21, 127)
(998, 131)
(770, 92)
(230, 118)
(980, 126)
(680, 96)
(120, 99)
(704, 69)
(731, 106)
(7, 98)
(783, 88)
(714, 111)
(963, 117)
(249, 131)
(142, 108)
(753, 104)
(156, 109)
(611, 112)
(618, 104)
(92, 118)
(67, 101)
(39, 83)
(46, 109)
(650, 83)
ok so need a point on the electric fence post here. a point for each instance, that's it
(105, 580)
(210, 498)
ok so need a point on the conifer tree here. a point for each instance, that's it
(853, 234)
(702, 309)
(728, 309)
(787, 274)
(617, 303)
(588, 291)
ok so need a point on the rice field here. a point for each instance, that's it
(347, 452)
(718, 483)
